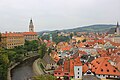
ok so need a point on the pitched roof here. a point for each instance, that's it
(66, 66)
(48, 59)
(102, 66)
(59, 69)
(14, 34)
(85, 68)
(71, 67)
(29, 33)
(66, 48)
(77, 62)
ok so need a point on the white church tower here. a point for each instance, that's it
(31, 26)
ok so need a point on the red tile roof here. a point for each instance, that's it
(71, 67)
(12, 34)
(29, 33)
(66, 48)
(102, 66)
(66, 66)
(81, 45)
(77, 62)
(85, 68)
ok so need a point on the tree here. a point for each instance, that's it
(45, 37)
(11, 56)
(4, 61)
(42, 50)
(71, 35)
(78, 41)
(31, 45)
(49, 50)
(84, 40)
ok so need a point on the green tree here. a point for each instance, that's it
(45, 37)
(78, 41)
(71, 35)
(49, 50)
(42, 50)
(31, 45)
(84, 40)
(11, 56)
(4, 61)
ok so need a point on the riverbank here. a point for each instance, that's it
(10, 69)
(37, 70)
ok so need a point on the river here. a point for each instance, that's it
(24, 70)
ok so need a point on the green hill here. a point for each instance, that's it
(91, 28)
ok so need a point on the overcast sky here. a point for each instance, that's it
(56, 14)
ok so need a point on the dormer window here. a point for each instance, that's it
(114, 70)
(102, 70)
(107, 70)
(105, 64)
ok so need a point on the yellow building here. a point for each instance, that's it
(3, 42)
(30, 36)
(79, 38)
(11, 40)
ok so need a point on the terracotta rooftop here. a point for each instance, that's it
(66, 48)
(29, 33)
(71, 67)
(85, 68)
(14, 34)
(102, 66)
(66, 66)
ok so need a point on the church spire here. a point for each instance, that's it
(117, 24)
(31, 21)
(31, 26)
(117, 29)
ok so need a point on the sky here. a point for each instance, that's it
(56, 14)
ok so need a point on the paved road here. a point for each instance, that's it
(23, 71)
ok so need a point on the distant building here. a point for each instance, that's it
(10, 40)
(115, 39)
(115, 30)
(31, 35)
(3, 42)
